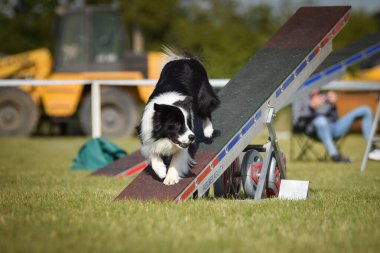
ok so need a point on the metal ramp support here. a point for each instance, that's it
(271, 146)
(372, 138)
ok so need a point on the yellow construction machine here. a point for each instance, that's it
(89, 45)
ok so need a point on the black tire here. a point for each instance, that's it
(18, 113)
(118, 113)
(228, 184)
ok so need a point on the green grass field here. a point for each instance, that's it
(45, 207)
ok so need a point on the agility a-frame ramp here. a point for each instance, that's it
(250, 99)
(332, 68)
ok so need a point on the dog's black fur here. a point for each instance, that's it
(187, 77)
(182, 93)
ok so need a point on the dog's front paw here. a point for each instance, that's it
(172, 178)
(160, 170)
(208, 131)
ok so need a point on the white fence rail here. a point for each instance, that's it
(44, 82)
(96, 95)
(95, 92)
(353, 85)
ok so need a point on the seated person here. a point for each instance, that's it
(316, 115)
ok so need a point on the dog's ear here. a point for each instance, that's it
(188, 101)
(157, 107)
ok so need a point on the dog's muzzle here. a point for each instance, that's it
(185, 145)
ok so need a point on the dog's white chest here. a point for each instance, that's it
(164, 146)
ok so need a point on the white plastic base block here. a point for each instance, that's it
(294, 189)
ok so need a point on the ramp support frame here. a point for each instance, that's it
(270, 147)
(372, 139)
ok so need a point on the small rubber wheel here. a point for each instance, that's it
(274, 177)
(229, 183)
(118, 113)
(18, 113)
(250, 171)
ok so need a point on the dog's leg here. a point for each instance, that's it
(172, 177)
(208, 129)
(181, 162)
(158, 166)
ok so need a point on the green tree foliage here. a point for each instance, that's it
(155, 18)
(26, 25)
(223, 33)
(29, 24)
(360, 24)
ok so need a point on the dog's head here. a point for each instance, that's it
(173, 123)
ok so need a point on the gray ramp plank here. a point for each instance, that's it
(336, 64)
(369, 45)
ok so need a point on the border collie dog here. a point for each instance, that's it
(182, 93)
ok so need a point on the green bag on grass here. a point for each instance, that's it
(97, 153)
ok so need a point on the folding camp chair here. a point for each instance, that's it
(307, 147)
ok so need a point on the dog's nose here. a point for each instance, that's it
(191, 137)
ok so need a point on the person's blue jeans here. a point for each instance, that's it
(327, 131)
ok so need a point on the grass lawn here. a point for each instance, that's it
(45, 207)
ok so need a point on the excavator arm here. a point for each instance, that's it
(36, 64)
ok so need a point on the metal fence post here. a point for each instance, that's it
(95, 110)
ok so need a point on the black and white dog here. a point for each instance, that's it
(183, 92)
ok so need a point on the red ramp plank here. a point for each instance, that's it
(122, 166)
(148, 186)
